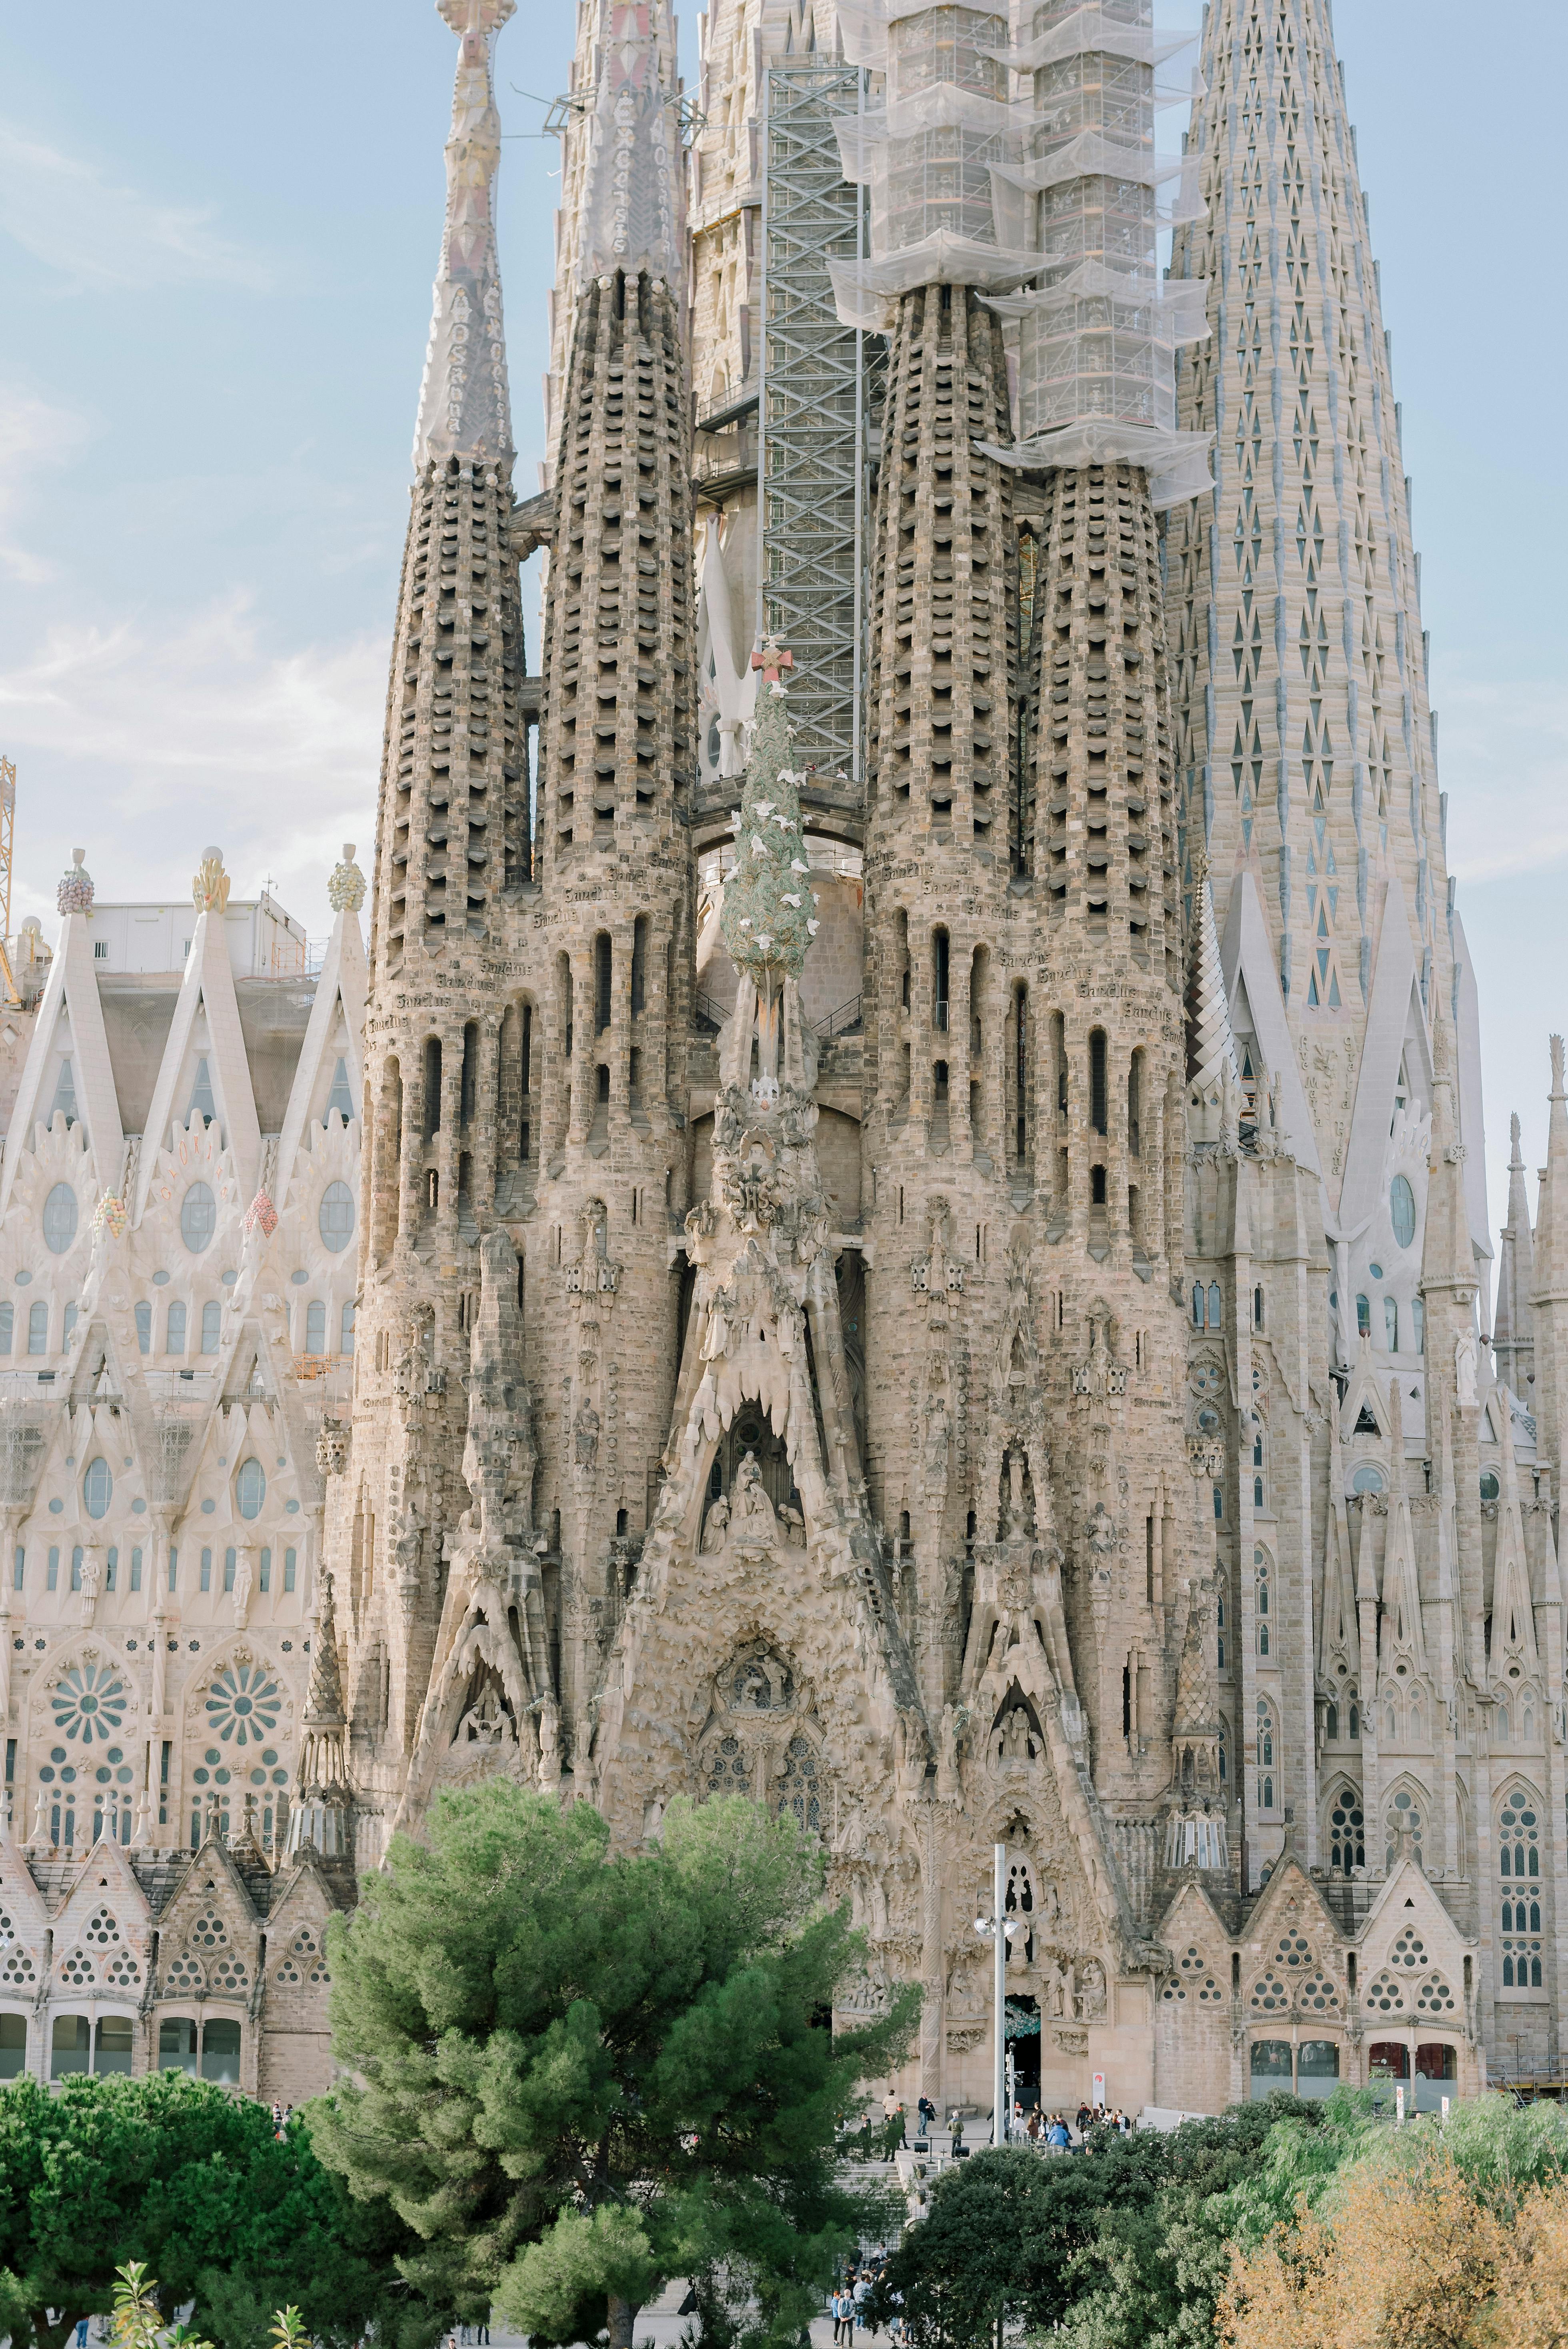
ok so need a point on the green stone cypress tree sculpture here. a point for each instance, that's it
(769, 912)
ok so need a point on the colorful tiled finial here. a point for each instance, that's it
(109, 1216)
(74, 894)
(345, 889)
(210, 889)
(261, 1216)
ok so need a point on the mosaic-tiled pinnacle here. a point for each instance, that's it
(631, 209)
(465, 408)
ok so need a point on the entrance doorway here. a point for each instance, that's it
(1023, 2048)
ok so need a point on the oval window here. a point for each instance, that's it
(1367, 1479)
(98, 1485)
(335, 1220)
(1490, 1487)
(251, 1488)
(1402, 1209)
(59, 1219)
(198, 1217)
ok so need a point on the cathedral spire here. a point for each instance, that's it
(1512, 1335)
(1303, 737)
(465, 408)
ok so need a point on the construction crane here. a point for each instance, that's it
(8, 835)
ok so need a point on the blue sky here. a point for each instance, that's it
(217, 231)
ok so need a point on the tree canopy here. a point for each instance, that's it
(579, 2072)
(175, 2173)
(1122, 2246)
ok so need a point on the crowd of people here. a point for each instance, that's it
(1052, 2130)
(849, 2308)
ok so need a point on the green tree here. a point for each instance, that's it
(1122, 2246)
(579, 2072)
(176, 2175)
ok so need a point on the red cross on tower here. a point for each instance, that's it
(772, 657)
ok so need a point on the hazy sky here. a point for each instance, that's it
(217, 233)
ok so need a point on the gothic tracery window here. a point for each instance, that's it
(1347, 1831)
(1518, 1871)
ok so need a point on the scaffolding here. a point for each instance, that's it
(816, 378)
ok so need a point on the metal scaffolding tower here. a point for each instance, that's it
(814, 481)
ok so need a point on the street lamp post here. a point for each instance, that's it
(1000, 1929)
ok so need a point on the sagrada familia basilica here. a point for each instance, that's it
(888, 1214)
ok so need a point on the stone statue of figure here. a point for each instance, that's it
(1464, 1368)
(242, 1593)
(92, 1569)
(1058, 1987)
(585, 1434)
(716, 1527)
(1017, 1745)
(1091, 1990)
(549, 1744)
(751, 1501)
(794, 1525)
(484, 1723)
(936, 1440)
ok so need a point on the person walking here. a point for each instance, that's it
(892, 2128)
(858, 2296)
(926, 2111)
(1085, 2118)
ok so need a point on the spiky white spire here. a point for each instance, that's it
(1211, 1064)
(465, 407)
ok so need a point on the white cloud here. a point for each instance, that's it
(152, 742)
(64, 211)
(33, 434)
(1502, 758)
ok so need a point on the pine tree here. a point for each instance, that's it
(579, 2073)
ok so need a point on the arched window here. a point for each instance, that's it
(1224, 1751)
(38, 1328)
(1213, 1305)
(1266, 1743)
(1402, 1210)
(98, 1485)
(315, 1327)
(335, 1219)
(1391, 1324)
(1418, 1324)
(1220, 1622)
(345, 1329)
(7, 1323)
(1257, 1308)
(1259, 1496)
(1347, 1831)
(1262, 1598)
(251, 1488)
(59, 1219)
(198, 1217)
(1197, 1305)
(211, 1325)
(1519, 1869)
(1331, 1725)
(1363, 1317)
(175, 1337)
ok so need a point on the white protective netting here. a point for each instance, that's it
(1010, 154)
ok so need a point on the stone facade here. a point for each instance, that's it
(901, 1382)
(177, 1233)
(960, 1310)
